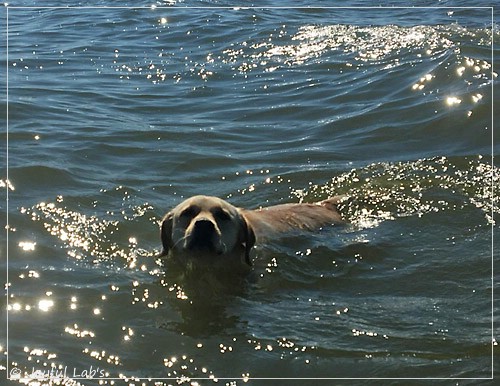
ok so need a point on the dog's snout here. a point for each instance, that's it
(203, 235)
(204, 227)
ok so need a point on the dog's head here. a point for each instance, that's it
(204, 225)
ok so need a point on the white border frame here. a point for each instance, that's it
(153, 7)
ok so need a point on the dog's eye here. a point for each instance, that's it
(189, 212)
(221, 215)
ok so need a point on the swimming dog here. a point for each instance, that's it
(213, 228)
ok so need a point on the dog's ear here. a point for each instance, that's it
(247, 238)
(166, 233)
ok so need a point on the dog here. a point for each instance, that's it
(213, 229)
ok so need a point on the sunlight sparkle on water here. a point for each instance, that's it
(27, 245)
(7, 184)
(451, 101)
(45, 305)
(366, 44)
(476, 98)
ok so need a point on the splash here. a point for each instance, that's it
(89, 237)
(386, 191)
(81, 233)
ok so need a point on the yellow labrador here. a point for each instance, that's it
(213, 228)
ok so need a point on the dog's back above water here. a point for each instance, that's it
(209, 228)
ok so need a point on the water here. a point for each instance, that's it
(116, 115)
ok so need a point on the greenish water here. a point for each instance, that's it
(117, 114)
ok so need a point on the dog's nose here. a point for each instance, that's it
(203, 234)
(204, 227)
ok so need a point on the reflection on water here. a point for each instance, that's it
(362, 44)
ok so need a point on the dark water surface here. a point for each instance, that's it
(115, 115)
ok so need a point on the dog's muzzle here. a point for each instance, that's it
(204, 237)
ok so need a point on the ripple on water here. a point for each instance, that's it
(147, 106)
